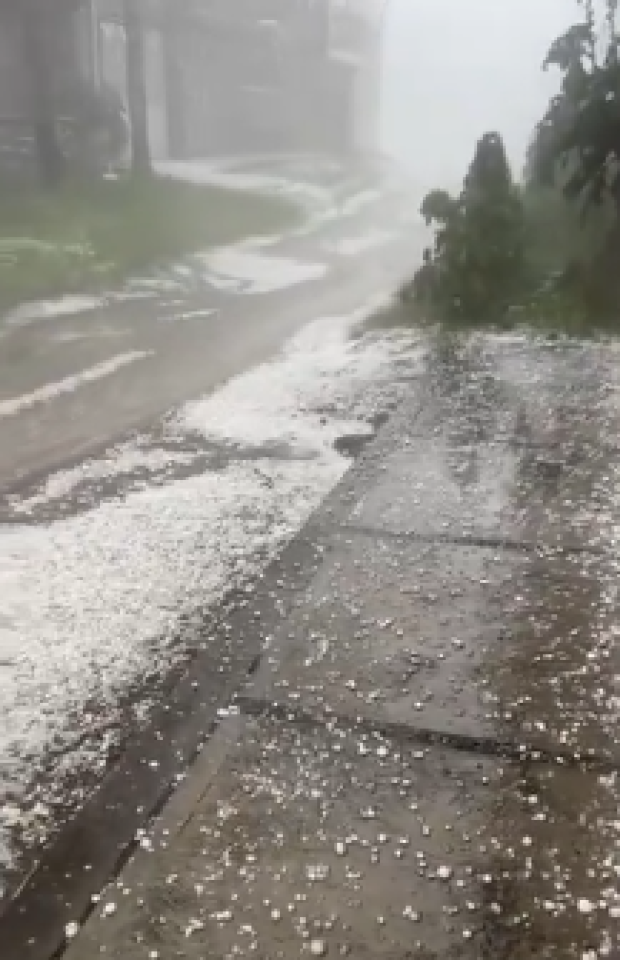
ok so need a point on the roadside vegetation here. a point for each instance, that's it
(543, 252)
(91, 235)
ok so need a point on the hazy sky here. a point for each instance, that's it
(456, 68)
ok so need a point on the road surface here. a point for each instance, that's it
(72, 382)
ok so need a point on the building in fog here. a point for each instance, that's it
(250, 76)
(224, 76)
(353, 70)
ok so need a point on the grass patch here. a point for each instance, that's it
(551, 316)
(92, 236)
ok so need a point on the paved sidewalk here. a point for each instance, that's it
(424, 763)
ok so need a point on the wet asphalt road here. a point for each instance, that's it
(72, 384)
(424, 764)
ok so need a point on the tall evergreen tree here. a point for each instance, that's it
(477, 262)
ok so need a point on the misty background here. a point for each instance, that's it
(454, 69)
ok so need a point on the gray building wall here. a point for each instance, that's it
(355, 41)
(259, 75)
(235, 76)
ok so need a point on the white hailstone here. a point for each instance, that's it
(410, 914)
(71, 930)
(318, 948)
(585, 906)
(444, 873)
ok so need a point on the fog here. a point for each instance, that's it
(456, 68)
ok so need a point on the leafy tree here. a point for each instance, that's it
(53, 92)
(41, 22)
(98, 134)
(571, 53)
(577, 143)
(575, 152)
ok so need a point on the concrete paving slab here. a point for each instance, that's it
(311, 843)
(394, 631)
(490, 456)
(432, 489)
(507, 494)
(464, 641)
(328, 842)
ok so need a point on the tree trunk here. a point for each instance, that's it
(49, 156)
(175, 109)
(136, 88)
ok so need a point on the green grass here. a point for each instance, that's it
(550, 315)
(92, 236)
